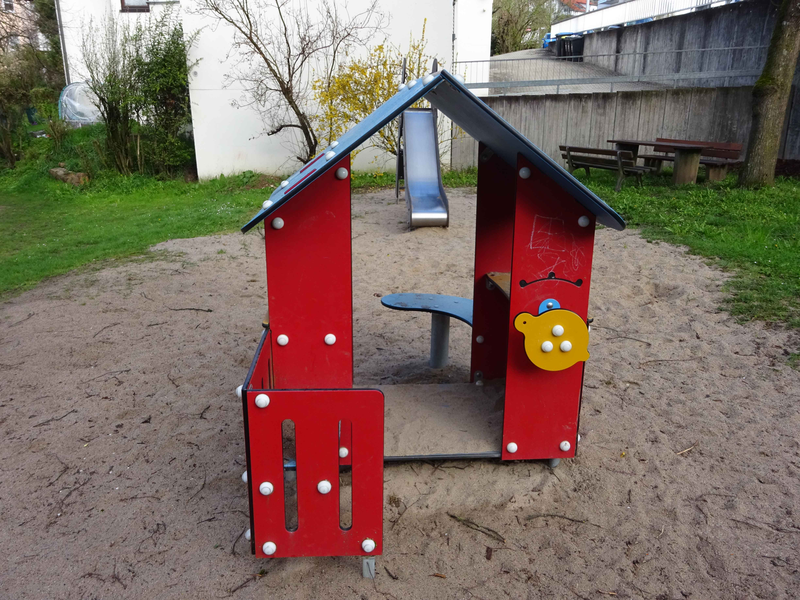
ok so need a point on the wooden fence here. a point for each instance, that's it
(708, 114)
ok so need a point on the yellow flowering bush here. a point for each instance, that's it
(361, 85)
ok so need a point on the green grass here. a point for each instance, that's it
(48, 228)
(753, 233)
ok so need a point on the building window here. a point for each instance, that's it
(8, 5)
(135, 6)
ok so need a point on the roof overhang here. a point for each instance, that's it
(451, 97)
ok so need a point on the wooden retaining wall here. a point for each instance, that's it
(709, 114)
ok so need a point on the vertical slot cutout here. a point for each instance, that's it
(345, 476)
(289, 475)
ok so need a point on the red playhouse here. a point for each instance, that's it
(533, 265)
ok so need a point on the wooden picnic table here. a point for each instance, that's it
(687, 157)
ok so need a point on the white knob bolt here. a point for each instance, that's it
(324, 486)
(428, 78)
(401, 87)
(262, 401)
(267, 204)
(412, 83)
(368, 545)
(244, 476)
(547, 346)
(459, 79)
(341, 173)
(565, 446)
(584, 221)
(269, 548)
(247, 535)
(558, 331)
(579, 437)
(524, 172)
(283, 340)
(266, 488)
(566, 346)
(511, 447)
(334, 144)
(277, 223)
(329, 154)
(239, 392)
(284, 183)
(343, 452)
(330, 339)
(479, 339)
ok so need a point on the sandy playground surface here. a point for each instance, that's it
(122, 441)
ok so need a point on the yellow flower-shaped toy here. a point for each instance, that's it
(555, 340)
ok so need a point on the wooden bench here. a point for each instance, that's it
(621, 161)
(716, 159)
(441, 309)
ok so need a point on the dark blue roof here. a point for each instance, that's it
(466, 110)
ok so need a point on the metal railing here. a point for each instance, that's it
(546, 73)
(630, 12)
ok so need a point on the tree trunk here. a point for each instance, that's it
(771, 96)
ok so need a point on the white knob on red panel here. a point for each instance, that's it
(269, 548)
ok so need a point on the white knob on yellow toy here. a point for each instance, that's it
(547, 346)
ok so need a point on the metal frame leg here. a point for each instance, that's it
(368, 567)
(440, 340)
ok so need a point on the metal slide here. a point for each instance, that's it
(425, 197)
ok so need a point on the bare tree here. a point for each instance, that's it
(771, 96)
(283, 45)
(109, 55)
(520, 24)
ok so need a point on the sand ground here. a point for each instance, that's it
(122, 443)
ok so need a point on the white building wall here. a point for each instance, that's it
(78, 14)
(473, 30)
(229, 140)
